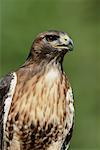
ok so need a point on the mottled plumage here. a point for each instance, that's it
(36, 101)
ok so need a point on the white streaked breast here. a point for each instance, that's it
(8, 100)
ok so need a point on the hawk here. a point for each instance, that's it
(36, 101)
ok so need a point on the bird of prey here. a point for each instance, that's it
(36, 101)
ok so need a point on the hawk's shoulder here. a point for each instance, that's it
(5, 85)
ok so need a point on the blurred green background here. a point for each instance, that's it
(22, 20)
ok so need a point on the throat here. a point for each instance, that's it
(52, 75)
(53, 72)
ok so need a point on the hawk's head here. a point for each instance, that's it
(50, 45)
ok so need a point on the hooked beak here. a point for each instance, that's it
(66, 43)
(70, 44)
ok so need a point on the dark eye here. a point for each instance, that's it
(51, 38)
